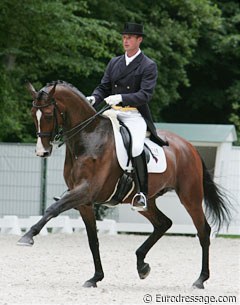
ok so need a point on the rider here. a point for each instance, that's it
(127, 85)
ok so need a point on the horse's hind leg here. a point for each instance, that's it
(88, 216)
(204, 238)
(195, 210)
(161, 223)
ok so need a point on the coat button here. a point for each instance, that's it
(115, 86)
(128, 87)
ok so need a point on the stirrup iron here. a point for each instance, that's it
(136, 198)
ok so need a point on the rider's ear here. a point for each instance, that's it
(31, 89)
(51, 92)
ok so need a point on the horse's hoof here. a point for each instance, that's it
(89, 284)
(198, 284)
(25, 241)
(144, 271)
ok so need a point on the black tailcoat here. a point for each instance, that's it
(135, 83)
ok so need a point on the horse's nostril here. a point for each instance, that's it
(46, 154)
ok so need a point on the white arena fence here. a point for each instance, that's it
(12, 224)
(28, 184)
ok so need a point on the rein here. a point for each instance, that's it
(58, 134)
(81, 126)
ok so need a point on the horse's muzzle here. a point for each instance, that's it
(43, 154)
(41, 151)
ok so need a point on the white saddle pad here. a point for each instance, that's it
(157, 164)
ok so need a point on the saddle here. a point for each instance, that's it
(154, 154)
(127, 141)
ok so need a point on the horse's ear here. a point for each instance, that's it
(31, 89)
(52, 91)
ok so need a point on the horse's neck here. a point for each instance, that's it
(76, 109)
(78, 114)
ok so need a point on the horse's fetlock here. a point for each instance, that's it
(34, 230)
(98, 276)
(140, 257)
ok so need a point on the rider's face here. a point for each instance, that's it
(131, 43)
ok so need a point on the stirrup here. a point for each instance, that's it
(139, 206)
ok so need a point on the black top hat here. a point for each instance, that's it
(133, 29)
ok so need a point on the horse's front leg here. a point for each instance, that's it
(69, 201)
(88, 216)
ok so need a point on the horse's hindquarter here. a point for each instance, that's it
(183, 162)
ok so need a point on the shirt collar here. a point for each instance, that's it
(130, 59)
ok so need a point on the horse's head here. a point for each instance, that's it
(47, 118)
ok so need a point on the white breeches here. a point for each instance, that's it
(137, 126)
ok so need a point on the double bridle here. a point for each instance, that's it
(57, 132)
(58, 136)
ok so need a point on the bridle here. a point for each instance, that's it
(58, 136)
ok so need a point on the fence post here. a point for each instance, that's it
(43, 190)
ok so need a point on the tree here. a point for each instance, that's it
(46, 40)
(230, 51)
(195, 44)
(213, 95)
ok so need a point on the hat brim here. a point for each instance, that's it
(133, 33)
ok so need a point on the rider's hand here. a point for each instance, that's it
(113, 100)
(91, 99)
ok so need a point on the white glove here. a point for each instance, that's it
(91, 99)
(113, 100)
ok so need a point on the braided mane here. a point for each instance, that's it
(66, 84)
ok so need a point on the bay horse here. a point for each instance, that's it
(91, 172)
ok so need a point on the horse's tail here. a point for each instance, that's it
(216, 202)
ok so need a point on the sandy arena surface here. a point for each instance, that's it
(54, 269)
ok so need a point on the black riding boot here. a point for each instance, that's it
(139, 201)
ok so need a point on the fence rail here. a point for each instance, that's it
(28, 185)
(11, 224)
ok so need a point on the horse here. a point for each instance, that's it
(91, 172)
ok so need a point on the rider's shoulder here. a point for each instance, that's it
(148, 60)
(116, 58)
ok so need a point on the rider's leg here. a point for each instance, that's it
(137, 126)
(141, 178)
